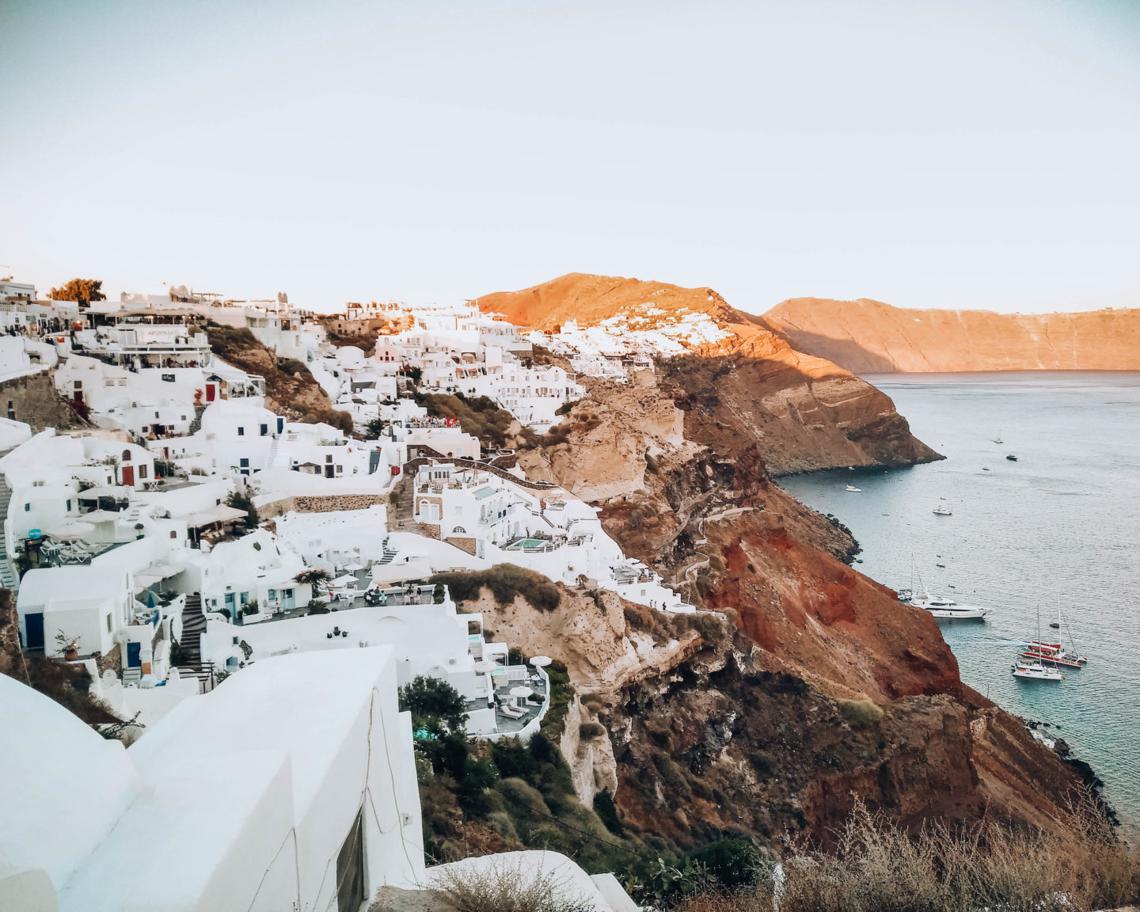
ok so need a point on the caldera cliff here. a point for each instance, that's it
(869, 337)
(800, 684)
(799, 411)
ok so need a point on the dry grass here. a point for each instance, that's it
(878, 867)
(506, 887)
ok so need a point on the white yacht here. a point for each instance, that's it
(943, 510)
(853, 489)
(947, 609)
(1035, 671)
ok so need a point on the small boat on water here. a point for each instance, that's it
(1056, 659)
(1011, 457)
(998, 440)
(946, 609)
(1035, 671)
(853, 490)
(943, 510)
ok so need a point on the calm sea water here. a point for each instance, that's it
(1059, 528)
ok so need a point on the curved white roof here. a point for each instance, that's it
(73, 785)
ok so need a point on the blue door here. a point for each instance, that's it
(35, 625)
(134, 655)
(288, 602)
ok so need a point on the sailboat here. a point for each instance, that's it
(998, 440)
(1055, 653)
(853, 490)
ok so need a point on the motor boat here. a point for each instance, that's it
(943, 510)
(946, 609)
(1011, 457)
(998, 440)
(853, 490)
(1035, 671)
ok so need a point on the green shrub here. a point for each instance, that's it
(606, 810)
(505, 581)
(432, 701)
(860, 713)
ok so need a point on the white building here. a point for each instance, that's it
(291, 786)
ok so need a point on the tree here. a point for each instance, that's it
(375, 428)
(240, 501)
(431, 702)
(313, 576)
(82, 290)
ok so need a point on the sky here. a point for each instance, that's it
(940, 154)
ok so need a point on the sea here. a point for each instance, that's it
(1051, 538)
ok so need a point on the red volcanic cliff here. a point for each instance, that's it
(870, 337)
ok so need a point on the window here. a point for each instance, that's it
(69, 505)
(350, 869)
(108, 623)
(27, 508)
(264, 429)
(126, 455)
(241, 432)
(142, 471)
(174, 533)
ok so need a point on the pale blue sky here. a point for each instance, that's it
(955, 154)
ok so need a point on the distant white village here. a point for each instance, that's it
(252, 590)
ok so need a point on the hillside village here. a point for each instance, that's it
(198, 546)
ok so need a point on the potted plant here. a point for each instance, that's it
(68, 645)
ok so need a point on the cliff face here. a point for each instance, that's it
(802, 412)
(870, 337)
(802, 682)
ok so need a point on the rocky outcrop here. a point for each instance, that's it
(867, 336)
(802, 412)
(802, 684)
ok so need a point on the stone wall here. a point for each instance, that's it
(322, 503)
(463, 544)
(35, 402)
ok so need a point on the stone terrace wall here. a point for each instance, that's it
(35, 402)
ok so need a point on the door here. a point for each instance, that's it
(288, 602)
(211, 392)
(129, 476)
(35, 625)
(134, 655)
(230, 606)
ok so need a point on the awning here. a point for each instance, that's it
(71, 529)
(418, 568)
(156, 574)
(116, 491)
(216, 514)
(101, 516)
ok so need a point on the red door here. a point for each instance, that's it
(129, 476)
(210, 392)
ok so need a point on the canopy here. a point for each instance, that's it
(355, 565)
(417, 568)
(156, 573)
(69, 529)
(521, 692)
(116, 491)
(101, 516)
(216, 514)
(342, 582)
(541, 661)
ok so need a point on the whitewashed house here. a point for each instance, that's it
(291, 786)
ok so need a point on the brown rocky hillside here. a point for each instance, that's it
(811, 685)
(871, 337)
(802, 412)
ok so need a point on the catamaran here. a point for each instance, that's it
(1035, 671)
(1055, 653)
